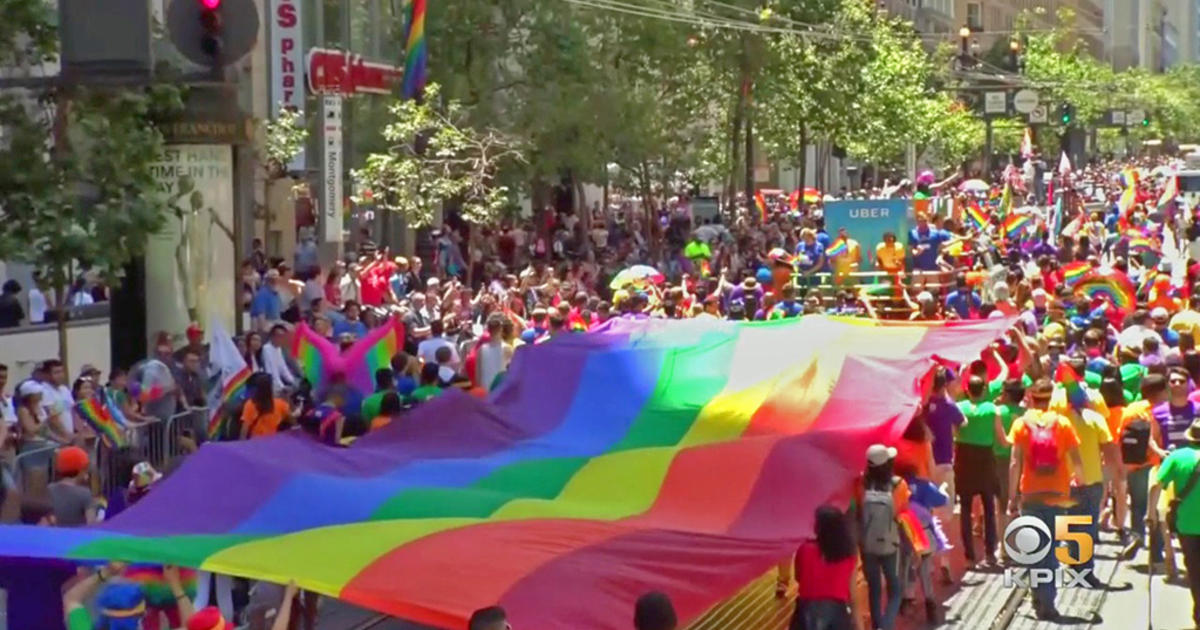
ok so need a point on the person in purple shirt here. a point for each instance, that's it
(943, 417)
(1177, 414)
(748, 288)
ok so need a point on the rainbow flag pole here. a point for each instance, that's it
(415, 55)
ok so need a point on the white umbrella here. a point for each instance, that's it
(974, 185)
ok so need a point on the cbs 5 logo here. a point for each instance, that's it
(1027, 540)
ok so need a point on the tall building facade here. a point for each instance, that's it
(1141, 33)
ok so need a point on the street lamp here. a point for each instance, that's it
(1014, 55)
(964, 34)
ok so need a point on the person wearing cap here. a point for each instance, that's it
(925, 308)
(881, 496)
(1187, 321)
(71, 495)
(490, 618)
(1178, 473)
(962, 300)
(1044, 482)
(1160, 320)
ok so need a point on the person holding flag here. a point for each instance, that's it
(846, 256)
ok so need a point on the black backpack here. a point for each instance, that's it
(1135, 442)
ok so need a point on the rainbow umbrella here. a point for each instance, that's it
(1110, 285)
(637, 275)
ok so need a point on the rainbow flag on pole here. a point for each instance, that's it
(760, 203)
(415, 54)
(1016, 225)
(838, 247)
(975, 216)
(724, 437)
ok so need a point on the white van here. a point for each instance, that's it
(1189, 179)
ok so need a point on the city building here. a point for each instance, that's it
(1181, 32)
(1136, 32)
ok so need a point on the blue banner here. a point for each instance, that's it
(866, 221)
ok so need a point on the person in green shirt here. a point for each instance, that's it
(1178, 471)
(975, 467)
(429, 387)
(1009, 406)
(385, 381)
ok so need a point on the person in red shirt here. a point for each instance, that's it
(374, 278)
(826, 569)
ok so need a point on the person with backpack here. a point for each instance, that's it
(1180, 471)
(880, 499)
(1045, 447)
(1097, 450)
(1140, 438)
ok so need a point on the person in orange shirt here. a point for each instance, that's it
(889, 258)
(1045, 447)
(1140, 438)
(263, 413)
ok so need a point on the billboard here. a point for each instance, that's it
(866, 221)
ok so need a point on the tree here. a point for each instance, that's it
(77, 186)
(435, 159)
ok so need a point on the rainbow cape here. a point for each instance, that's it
(695, 480)
(97, 411)
(154, 585)
(1109, 285)
(319, 359)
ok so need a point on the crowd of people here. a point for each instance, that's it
(1085, 407)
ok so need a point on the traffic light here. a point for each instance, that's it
(1146, 120)
(213, 33)
(210, 29)
(1066, 113)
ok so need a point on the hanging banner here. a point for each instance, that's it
(331, 163)
(287, 64)
(866, 221)
(190, 264)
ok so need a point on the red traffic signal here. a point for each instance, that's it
(210, 28)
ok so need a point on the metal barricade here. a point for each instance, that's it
(159, 442)
(21, 463)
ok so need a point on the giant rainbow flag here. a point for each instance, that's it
(686, 457)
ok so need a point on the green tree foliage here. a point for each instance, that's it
(77, 185)
(435, 158)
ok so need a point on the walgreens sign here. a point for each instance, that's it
(340, 72)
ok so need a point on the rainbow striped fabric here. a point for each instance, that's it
(233, 390)
(760, 203)
(98, 412)
(683, 456)
(415, 53)
(837, 248)
(976, 216)
(1075, 272)
(1016, 224)
(319, 359)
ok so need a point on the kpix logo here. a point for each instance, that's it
(1028, 541)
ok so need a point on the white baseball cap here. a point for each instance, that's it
(879, 454)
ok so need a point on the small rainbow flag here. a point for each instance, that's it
(1016, 224)
(837, 248)
(1147, 282)
(1139, 244)
(233, 390)
(794, 200)
(976, 216)
(1074, 272)
(1069, 379)
(915, 532)
(154, 585)
(761, 203)
(99, 416)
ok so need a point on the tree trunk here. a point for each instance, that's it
(749, 141)
(647, 207)
(735, 135)
(583, 213)
(803, 166)
(60, 309)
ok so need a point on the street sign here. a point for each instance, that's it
(1117, 116)
(331, 183)
(995, 102)
(1024, 101)
(1038, 115)
(1135, 116)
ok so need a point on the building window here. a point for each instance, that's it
(974, 16)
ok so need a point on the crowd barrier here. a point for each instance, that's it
(159, 441)
(887, 304)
